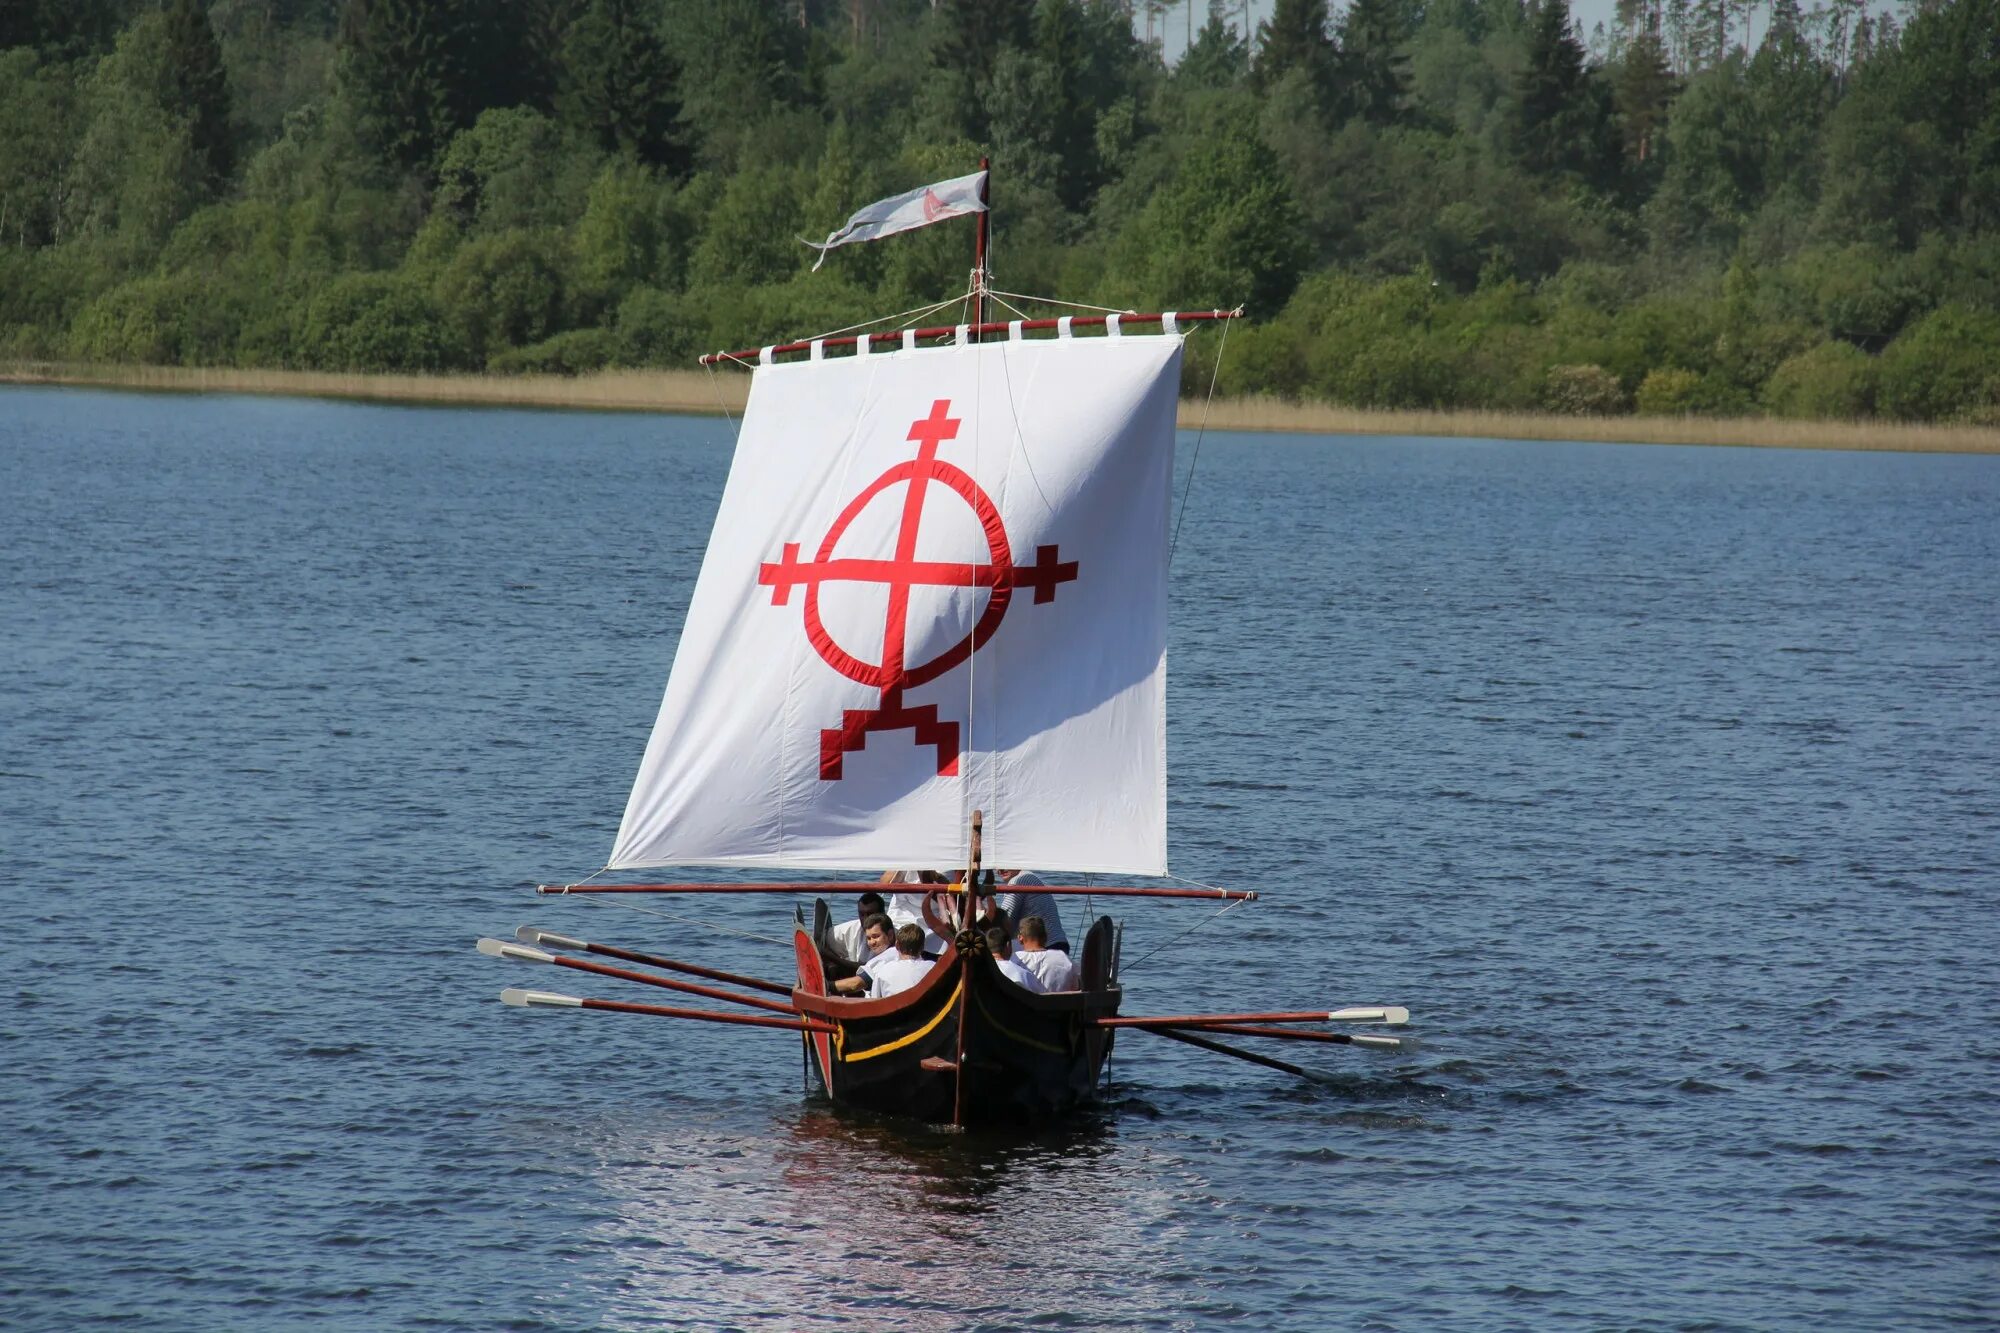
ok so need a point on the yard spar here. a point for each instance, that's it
(929, 630)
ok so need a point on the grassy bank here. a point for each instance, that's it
(724, 391)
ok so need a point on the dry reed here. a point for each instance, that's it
(726, 390)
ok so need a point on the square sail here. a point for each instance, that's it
(937, 583)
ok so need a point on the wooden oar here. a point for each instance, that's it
(1220, 1049)
(521, 953)
(525, 998)
(1382, 1015)
(548, 939)
(1293, 1034)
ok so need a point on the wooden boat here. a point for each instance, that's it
(919, 691)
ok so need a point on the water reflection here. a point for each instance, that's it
(821, 1215)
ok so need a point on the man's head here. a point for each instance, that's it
(910, 941)
(878, 932)
(1034, 933)
(870, 904)
(997, 941)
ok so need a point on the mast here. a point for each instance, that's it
(979, 250)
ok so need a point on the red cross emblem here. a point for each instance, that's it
(999, 575)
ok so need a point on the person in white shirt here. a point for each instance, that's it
(907, 909)
(893, 973)
(1051, 967)
(1013, 897)
(845, 941)
(1003, 949)
(878, 936)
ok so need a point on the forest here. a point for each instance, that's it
(1729, 207)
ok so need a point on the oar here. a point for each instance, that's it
(1293, 1034)
(1388, 1015)
(548, 939)
(522, 999)
(1220, 1049)
(521, 953)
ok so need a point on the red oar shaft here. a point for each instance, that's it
(1282, 1034)
(668, 983)
(1209, 1020)
(692, 969)
(708, 1016)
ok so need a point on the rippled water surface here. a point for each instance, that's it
(1662, 784)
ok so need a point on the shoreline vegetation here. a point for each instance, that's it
(1703, 223)
(715, 393)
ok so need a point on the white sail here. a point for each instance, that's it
(937, 583)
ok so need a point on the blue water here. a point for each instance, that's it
(1662, 784)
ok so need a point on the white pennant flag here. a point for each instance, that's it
(913, 208)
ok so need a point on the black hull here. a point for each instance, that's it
(964, 1047)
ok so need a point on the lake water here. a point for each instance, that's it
(1662, 784)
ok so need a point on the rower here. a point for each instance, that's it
(1018, 901)
(845, 941)
(901, 970)
(907, 909)
(1051, 967)
(1003, 949)
(878, 935)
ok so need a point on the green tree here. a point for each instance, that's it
(1374, 69)
(1217, 58)
(1223, 232)
(409, 69)
(617, 84)
(38, 108)
(195, 86)
(1562, 115)
(1296, 38)
(1642, 91)
(514, 168)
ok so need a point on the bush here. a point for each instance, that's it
(503, 291)
(1669, 392)
(377, 321)
(570, 353)
(157, 321)
(1833, 380)
(1584, 391)
(1942, 367)
(1260, 358)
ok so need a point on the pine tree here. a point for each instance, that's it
(1295, 37)
(616, 83)
(195, 88)
(1643, 94)
(1562, 115)
(1216, 58)
(971, 34)
(1375, 73)
(409, 67)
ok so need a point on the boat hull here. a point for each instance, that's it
(966, 1046)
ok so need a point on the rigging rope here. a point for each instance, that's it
(1205, 921)
(1195, 461)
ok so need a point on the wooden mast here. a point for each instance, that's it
(968, 923)
(979, 250)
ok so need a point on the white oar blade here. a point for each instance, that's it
(548, 939)
(1382, 1043)
(520, 953)
(1391, 1014)
(522, 999)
